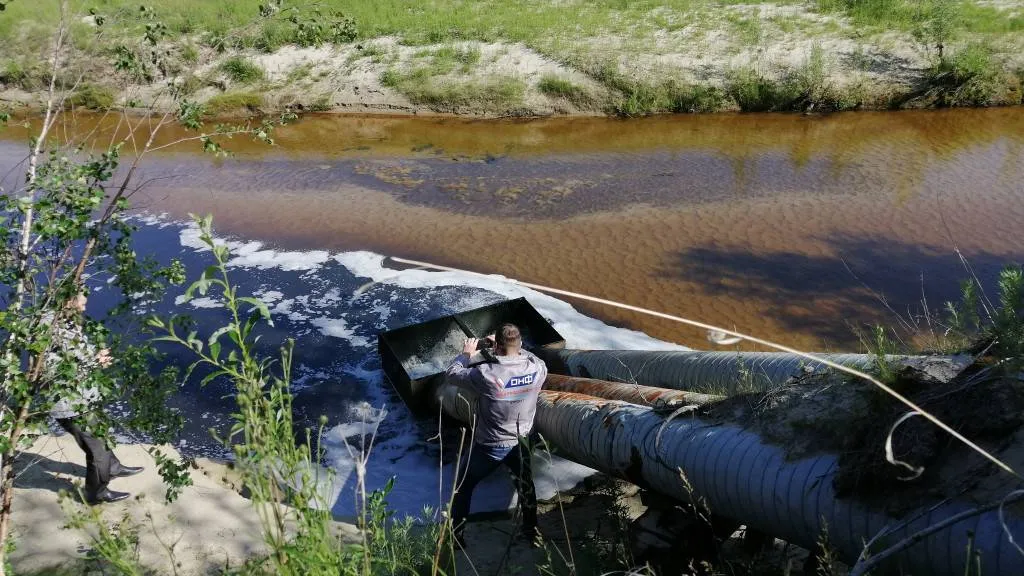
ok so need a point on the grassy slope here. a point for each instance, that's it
(528, 21)
(592, 36)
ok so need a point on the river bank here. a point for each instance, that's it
(529, 58)
(212, 528)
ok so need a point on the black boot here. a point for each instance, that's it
(106, 496)
(121, 471)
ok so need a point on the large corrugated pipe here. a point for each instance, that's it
(632, 393)
(739, 476)
(706, 372)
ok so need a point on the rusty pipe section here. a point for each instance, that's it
(698, 371)
(741, 476)
(632, 393)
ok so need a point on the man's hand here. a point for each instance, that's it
(470, 346)
(104, 358)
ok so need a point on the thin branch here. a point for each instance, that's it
(194, 138)
(878, 296)
(865, 566)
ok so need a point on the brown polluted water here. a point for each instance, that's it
(789, 227)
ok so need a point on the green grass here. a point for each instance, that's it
(449, 57)
(747, 28)
(92, 97)
(416, 22)
(419, 22)
(189, 53)
(233, 101)
(299, 73)
(558, 87)
(242, 70)
(638, 97)
(420, 86)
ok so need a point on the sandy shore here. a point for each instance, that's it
(601, 71)
(211, 526)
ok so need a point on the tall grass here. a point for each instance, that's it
(423, 86)
(969, 77)
(638, 97)
(242, 70)
(558, 87)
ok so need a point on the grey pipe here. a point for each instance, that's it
(705, 372)
(743, 478)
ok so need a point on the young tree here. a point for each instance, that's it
(68, 222)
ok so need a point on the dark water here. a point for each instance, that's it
(793, 228)
(787, 226)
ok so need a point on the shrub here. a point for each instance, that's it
(92, 97)
(12, 73)
(25, 75)
(937, 25)
(968, 78)
(242, 70)
(316, 28)
(803, 88)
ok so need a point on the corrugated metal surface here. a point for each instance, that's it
(743, 478)
(706, 372)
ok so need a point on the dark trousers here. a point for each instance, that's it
(481, 464)
(100, 463)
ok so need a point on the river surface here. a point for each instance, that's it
(799, 229)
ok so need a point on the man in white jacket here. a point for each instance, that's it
(507, 390)
(101, 465)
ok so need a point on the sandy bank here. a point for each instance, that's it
(709, 57)
(209, 527)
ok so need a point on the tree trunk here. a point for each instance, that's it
(7, 488)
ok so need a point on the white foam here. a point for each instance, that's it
(580, 332)
(363, 421)
(421, 478)
(269, 297)
(201, 302)
(337, 328)
(252, 254)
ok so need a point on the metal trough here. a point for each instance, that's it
(414, 357)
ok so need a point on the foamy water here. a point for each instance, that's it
(334, 305)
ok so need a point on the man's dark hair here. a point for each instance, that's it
(508, 335)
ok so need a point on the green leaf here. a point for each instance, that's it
(260, 306)
(209, 377)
